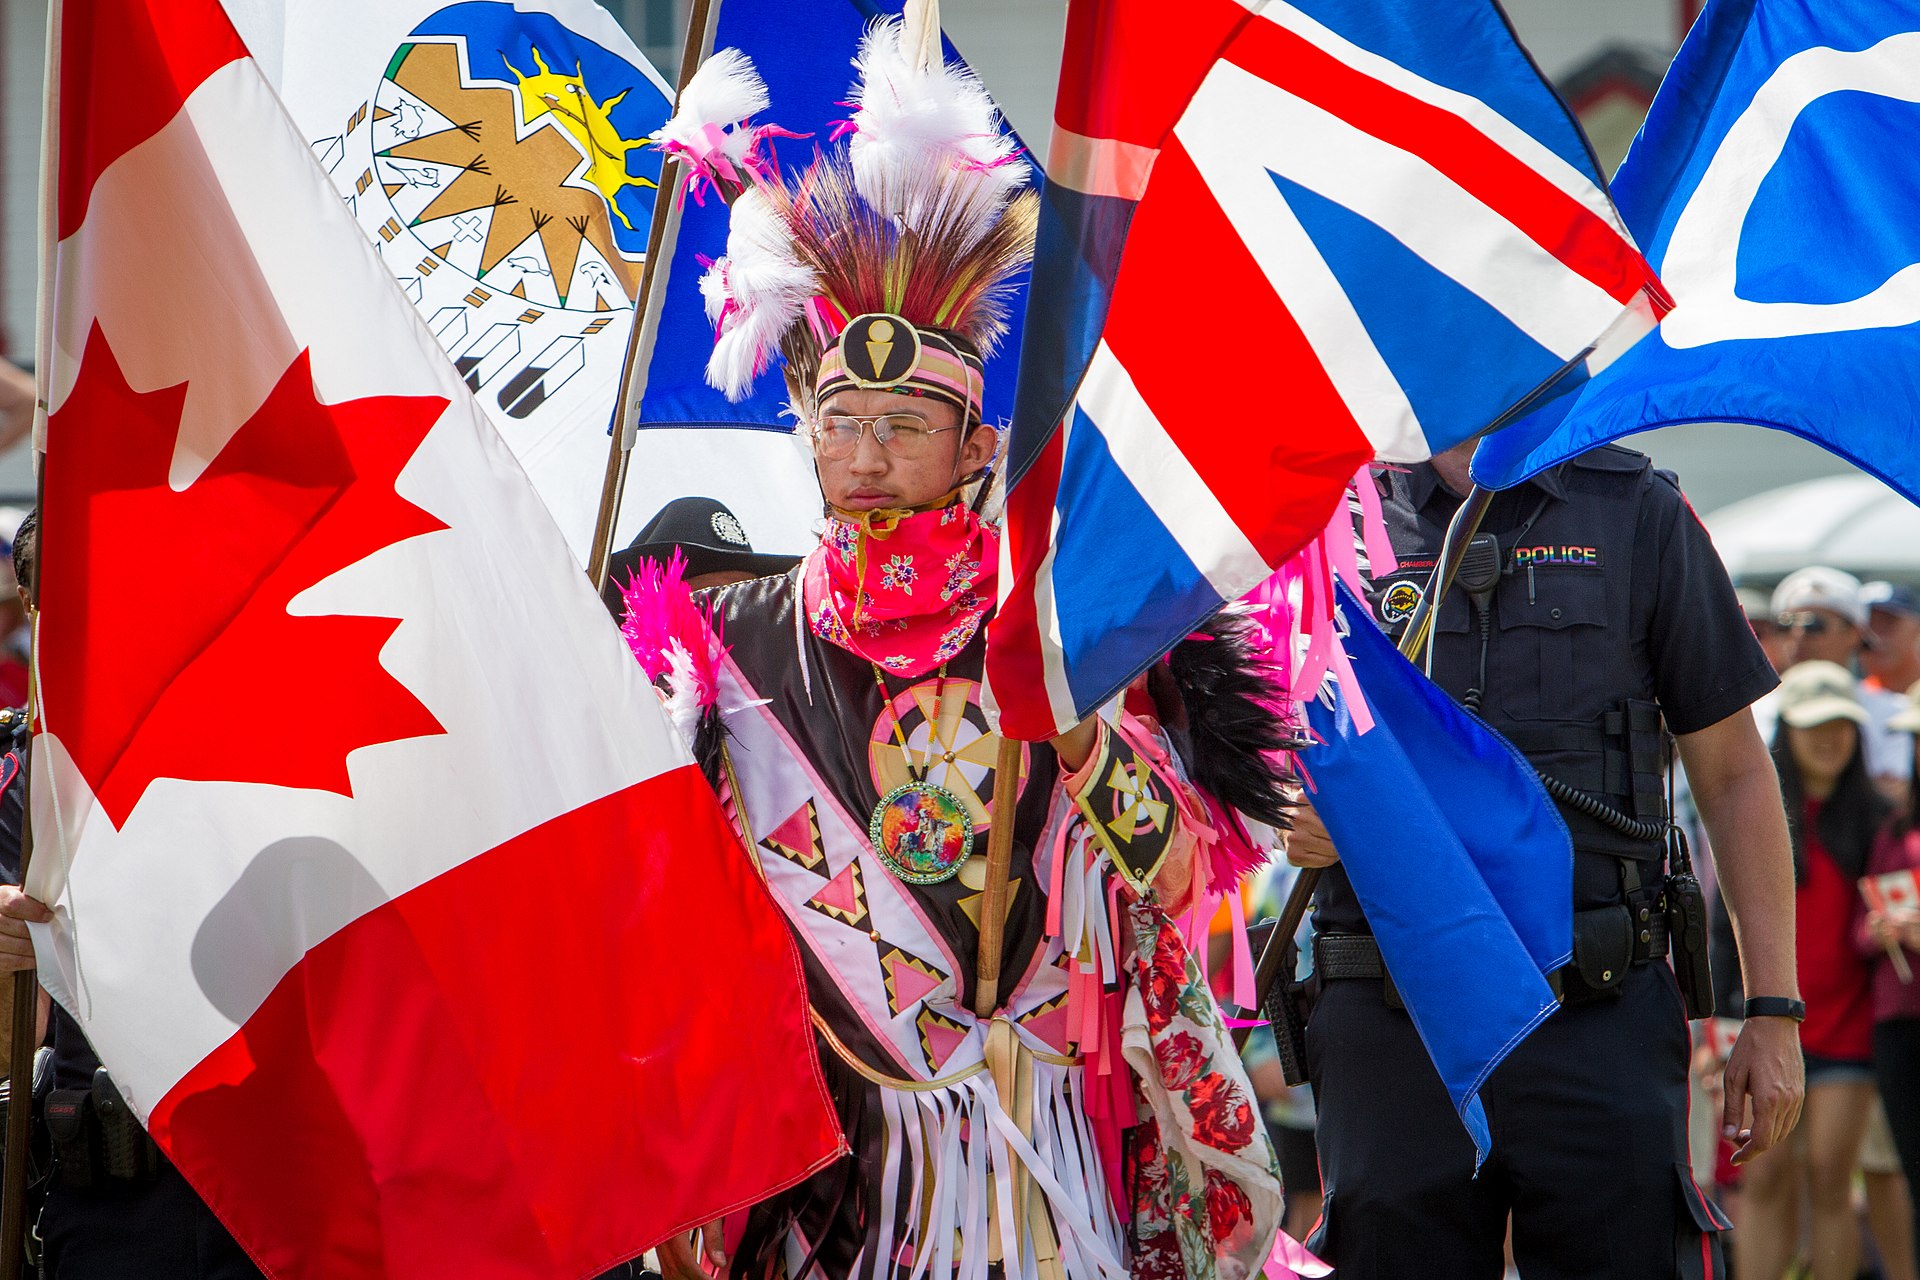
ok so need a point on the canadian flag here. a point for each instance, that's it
(1893, 892)
(381, 884)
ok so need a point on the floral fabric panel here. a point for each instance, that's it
(1201, 1173)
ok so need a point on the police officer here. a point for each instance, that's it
(115, 1207)
(1595, 610)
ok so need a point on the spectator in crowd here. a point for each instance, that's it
(1890, 666)
(1774, 639)
(17, 396)
(15, 635)
(1834, 813)
(1824, 617)
(1889, 936)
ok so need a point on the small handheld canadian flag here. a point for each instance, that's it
(1894, 893)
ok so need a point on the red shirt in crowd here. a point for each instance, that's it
(1834, 979)
(1892, 998)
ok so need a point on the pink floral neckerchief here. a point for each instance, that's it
(905, 590)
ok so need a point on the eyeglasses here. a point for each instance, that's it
(904, 435)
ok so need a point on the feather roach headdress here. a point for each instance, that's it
(888, 261)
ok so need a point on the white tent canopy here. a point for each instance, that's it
(1851, 522)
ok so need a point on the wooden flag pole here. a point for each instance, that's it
(993, 900)
(663, 237)
(1466, 522)
(21, 1049)
(26, 984)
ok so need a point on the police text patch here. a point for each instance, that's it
(1556, 557)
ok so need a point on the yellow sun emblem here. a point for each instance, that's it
(567, 100)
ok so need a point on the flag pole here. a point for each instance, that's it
(993, 900)
(1460, 531)
(26, 985)
(662, 238)
(26, 1006)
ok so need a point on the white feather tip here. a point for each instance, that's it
(726, 90)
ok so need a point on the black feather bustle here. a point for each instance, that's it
(1218, 688)
(709, 741)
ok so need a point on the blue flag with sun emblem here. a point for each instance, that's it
(1773, 189)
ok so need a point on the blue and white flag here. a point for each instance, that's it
(1454, 851)
(1775, 191)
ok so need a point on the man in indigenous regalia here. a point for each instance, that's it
(1090, 1118)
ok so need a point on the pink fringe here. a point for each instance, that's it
(1373, 525)
(1312, 573)
(709, 166)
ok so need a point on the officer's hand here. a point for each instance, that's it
(16, 910)
(1308, 844)
(1765, 1084)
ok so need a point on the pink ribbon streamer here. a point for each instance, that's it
(1316, 608)
(1373, 525)
(1056, 881)
(1244, 989)
(1340, 550)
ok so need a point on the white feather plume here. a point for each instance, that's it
(920, 125)
(726, 90)
(714, 289)
(767, 287)
(681, 698)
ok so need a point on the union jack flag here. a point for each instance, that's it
(1280, 239)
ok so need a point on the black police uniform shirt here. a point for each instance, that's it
(1609, 590)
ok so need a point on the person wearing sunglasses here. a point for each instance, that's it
(1823, 614)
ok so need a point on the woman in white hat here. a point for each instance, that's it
(1834, 813)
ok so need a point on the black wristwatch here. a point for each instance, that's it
(1776, 1007)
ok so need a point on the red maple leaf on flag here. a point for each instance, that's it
(168, 650)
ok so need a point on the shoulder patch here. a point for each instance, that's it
(1612, 457)
(1398, 601)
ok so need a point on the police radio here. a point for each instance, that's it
(1478, 575)
(1687, 927)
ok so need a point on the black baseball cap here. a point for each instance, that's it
(702, 530)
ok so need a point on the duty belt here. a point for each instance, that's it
(1607, 942)
(96, 1139)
